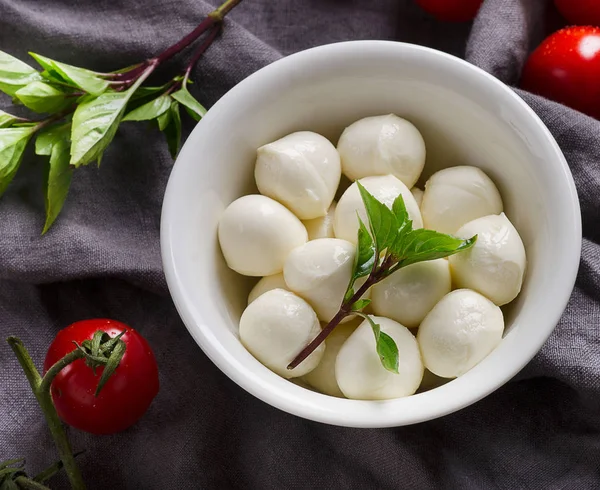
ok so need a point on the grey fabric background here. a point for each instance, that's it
(541, 431)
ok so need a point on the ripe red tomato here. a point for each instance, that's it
(566, 68)
(124, 398)
(580, 12)
(451, 10)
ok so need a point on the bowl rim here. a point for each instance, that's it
(350, 417)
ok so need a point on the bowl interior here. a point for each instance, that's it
(466, 118)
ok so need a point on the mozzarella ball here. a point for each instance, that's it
(495, 265)
(301, 170)
(265, 284)
(256, 235)
(459, 332)
(322, 378)
(385, 188)
(358, 369)
(382, 145)
(321, 227)
(418, 195)
(411, 292)
(454, 196)
(320, 271)
(276, 327)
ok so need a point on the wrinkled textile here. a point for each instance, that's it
(540, 431)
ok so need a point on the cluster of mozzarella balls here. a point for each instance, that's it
(443, 314)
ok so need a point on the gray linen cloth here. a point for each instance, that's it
(101, 259)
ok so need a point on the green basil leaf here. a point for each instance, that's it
(7, 119)
(163, 120)
(95, 124)
(381, 219)
(150, 110)
(421, 245)
(360, 304)
(364, 258)
(15, 74)
(173, 130)
(72, 75)
(388, 352)
(41, 97)
(403, 221)
(12, 145)
(142, 92)
(366, 252)
(49, 137)
(386, 347)
(193, 107)
(58, 177)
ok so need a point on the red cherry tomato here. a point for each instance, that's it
(566, 69)
(126, 395)
(580, 12)
(451, 10)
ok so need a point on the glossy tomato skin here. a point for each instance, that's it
(125, 397)
(580, 12)
(566, 68)
(451, 10)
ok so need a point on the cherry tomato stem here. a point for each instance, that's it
(40, 387)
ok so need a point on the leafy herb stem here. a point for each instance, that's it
(389, 244)
(213, 19)
(54, 118)
(99, 103)
(344, 311)
(214, 32)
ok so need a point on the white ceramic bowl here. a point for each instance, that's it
(466, 117)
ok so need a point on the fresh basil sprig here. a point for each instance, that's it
(387, 245)
(83, 109)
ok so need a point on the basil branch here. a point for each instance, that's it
(389, 244)
(344, 311)
(99, 102)
(213, 19)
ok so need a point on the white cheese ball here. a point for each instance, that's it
(454, 196)
(301, 170)
(265, 284)
(382, 145)
(320, 271)
(411, 292)
(322, 378)
(276, 327)
(384, 188)
(459, 332)
(256, 235)
(495, 265)
(418, 195)
(358, 369)
(321, 227)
